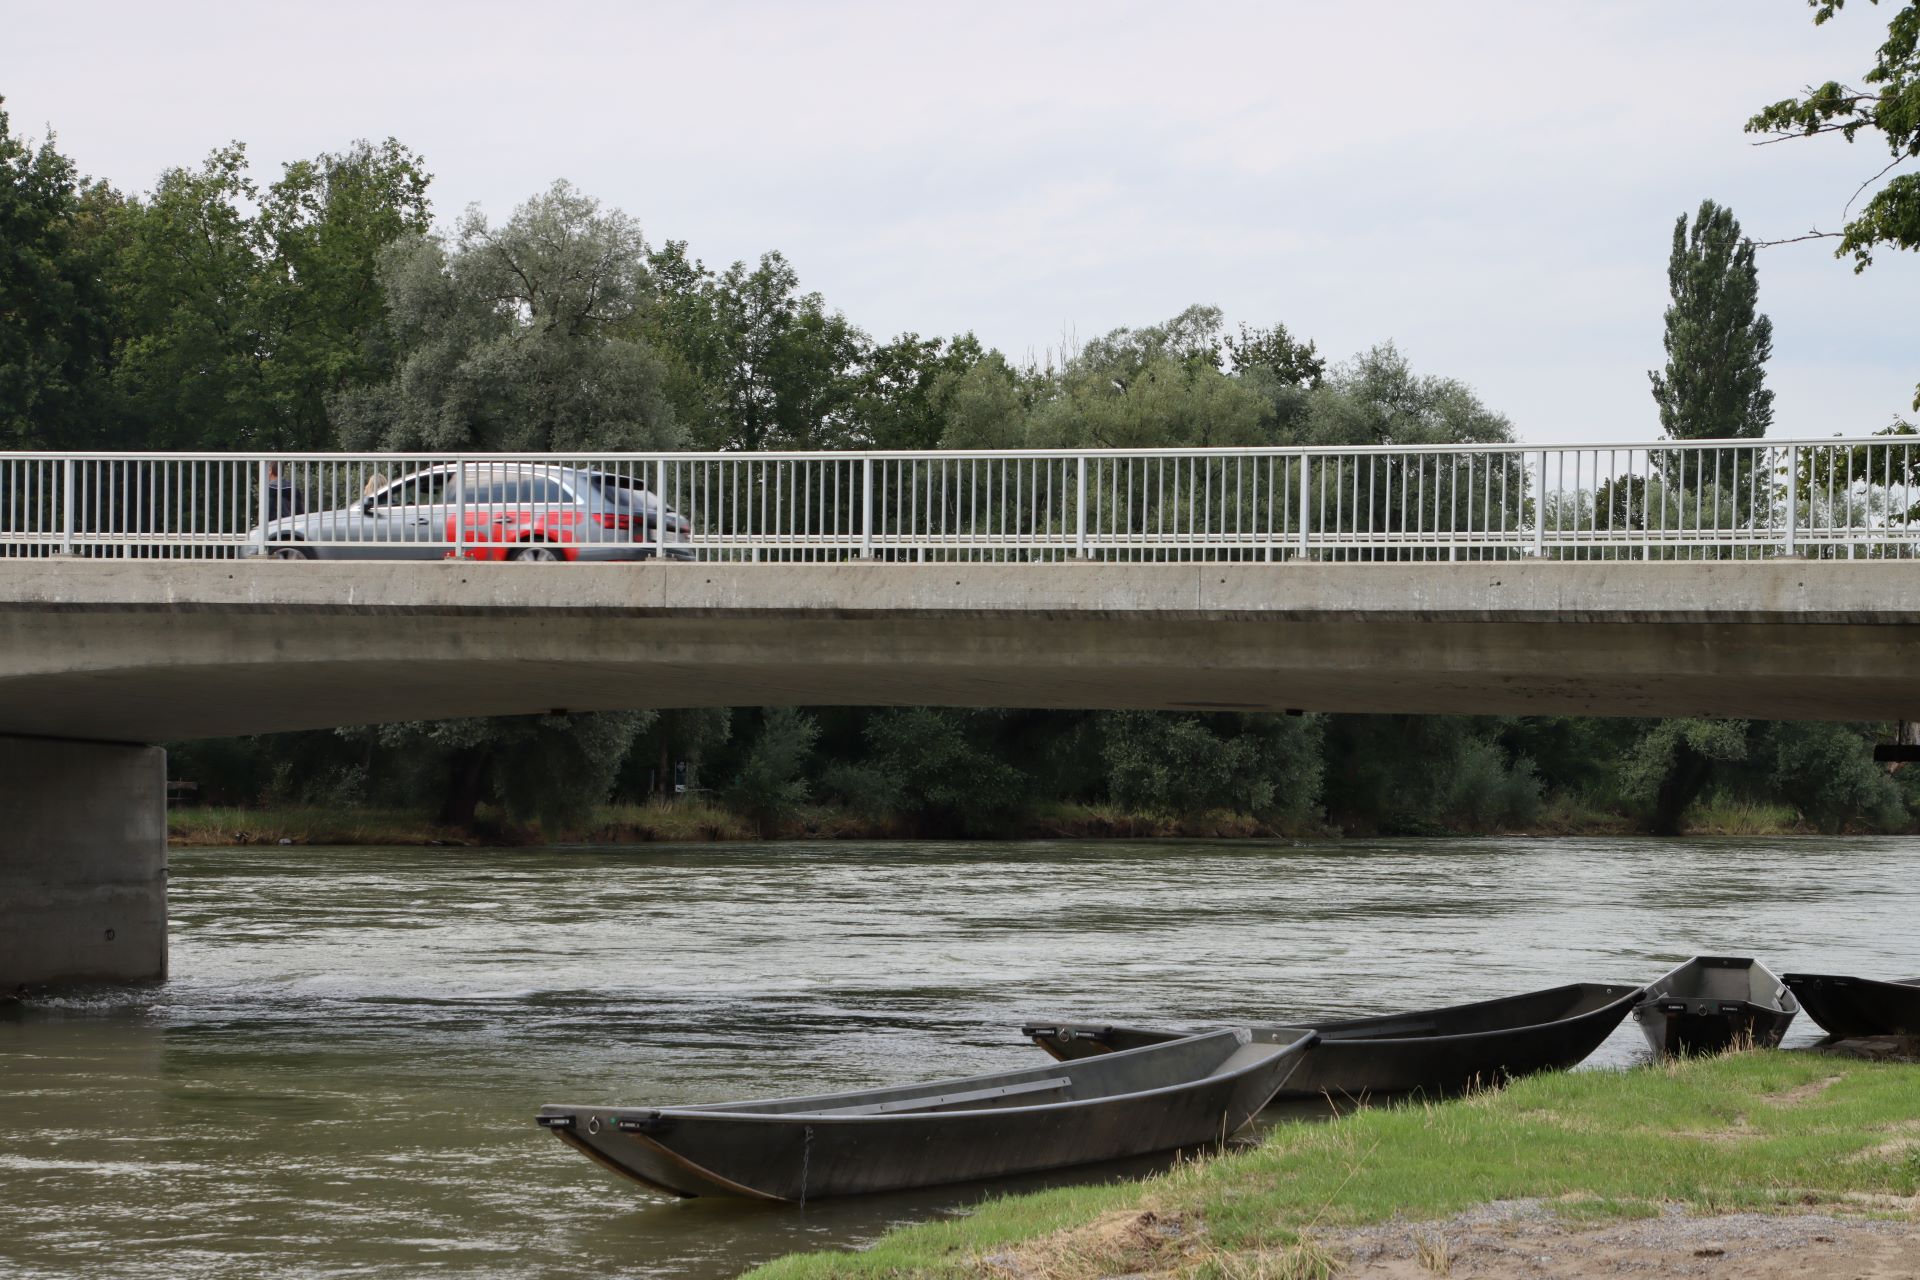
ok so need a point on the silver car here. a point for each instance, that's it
(492, 511)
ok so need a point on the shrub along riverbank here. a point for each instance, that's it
(1767, 1132)
(698, 822)
(1035, 774)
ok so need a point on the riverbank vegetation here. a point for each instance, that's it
(699, 820)
(935, 773)
(1770, 1132)
(321, 308)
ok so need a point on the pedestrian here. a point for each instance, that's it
(282, 498)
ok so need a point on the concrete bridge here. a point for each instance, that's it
(99, 658)
(137, 605)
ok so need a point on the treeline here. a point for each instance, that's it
(946, 772)
(322, 310)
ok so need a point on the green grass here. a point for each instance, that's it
(1721, 817)
(209, 825)
(1765, 1131)
(680, 821)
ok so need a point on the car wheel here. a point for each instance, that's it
(538, 552)
(289, 551)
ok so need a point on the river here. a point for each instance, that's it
(340, 1077)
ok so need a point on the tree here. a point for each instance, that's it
(246, 309)
(1714, 383)
(1159, 385)
(772, 783)
(1276, 353)
(769, 366)
(518, 337)
(55, 327)
(1674, 762)
(689, 734)
(192, 369)
(984, 407)
(1424, 775)
(906, 387)
(1827, 772)
(324, 225)
(1184, 763)
(1890, 106)
(946, 769)
(550, 769)
(1377, 398)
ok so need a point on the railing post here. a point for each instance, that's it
(1540, 511)
(261, 477)
(1304, 486)
(1793, 495)
(459, 507)
(660, 511)
(66, 506)
(1080, 508)
(866, 508)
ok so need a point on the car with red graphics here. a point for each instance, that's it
(488, 511)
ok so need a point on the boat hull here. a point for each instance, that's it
(814, 1153)
(1437, 1052)
(1712, 1004)
(1849, 1007)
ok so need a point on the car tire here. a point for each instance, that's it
(288, 551)
(537, 552)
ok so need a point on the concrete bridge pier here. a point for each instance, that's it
(83, 863)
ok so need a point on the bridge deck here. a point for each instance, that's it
(155, 651)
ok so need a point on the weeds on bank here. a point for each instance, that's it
(695, 820)
(1754, 1131)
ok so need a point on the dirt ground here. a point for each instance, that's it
(1521, 1242)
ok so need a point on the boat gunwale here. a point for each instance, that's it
(1629, 993)
(1295, 1048)
(1784, 1001)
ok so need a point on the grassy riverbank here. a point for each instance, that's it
(1769, 1132)
(697, 822)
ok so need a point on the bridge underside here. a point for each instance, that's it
(146, 653)
(99, 657)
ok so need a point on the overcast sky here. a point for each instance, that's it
(1492, 186)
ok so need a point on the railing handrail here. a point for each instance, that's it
(560, 456)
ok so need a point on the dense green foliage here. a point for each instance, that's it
(322, 310)
(1714, 384)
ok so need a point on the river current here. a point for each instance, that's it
(340, 1077)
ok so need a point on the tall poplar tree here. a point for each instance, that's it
(1714, 385)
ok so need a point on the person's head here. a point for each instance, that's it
(273, 470)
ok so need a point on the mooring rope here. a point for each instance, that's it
(806, 1160)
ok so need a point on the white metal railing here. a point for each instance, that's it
(1851, 498)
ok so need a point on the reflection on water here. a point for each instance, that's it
(342, 1074)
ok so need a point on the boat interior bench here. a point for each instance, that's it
(935, 1102)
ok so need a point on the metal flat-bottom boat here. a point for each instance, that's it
(1434, 1051)
(1186, 1093)
(1712, 1003)
(1847, 1006)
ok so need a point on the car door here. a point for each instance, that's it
(398, 522)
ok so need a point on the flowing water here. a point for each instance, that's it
(340, 1077)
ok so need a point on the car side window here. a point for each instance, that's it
(544, 489)
(414, 491)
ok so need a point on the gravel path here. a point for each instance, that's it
(1515, 1239)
